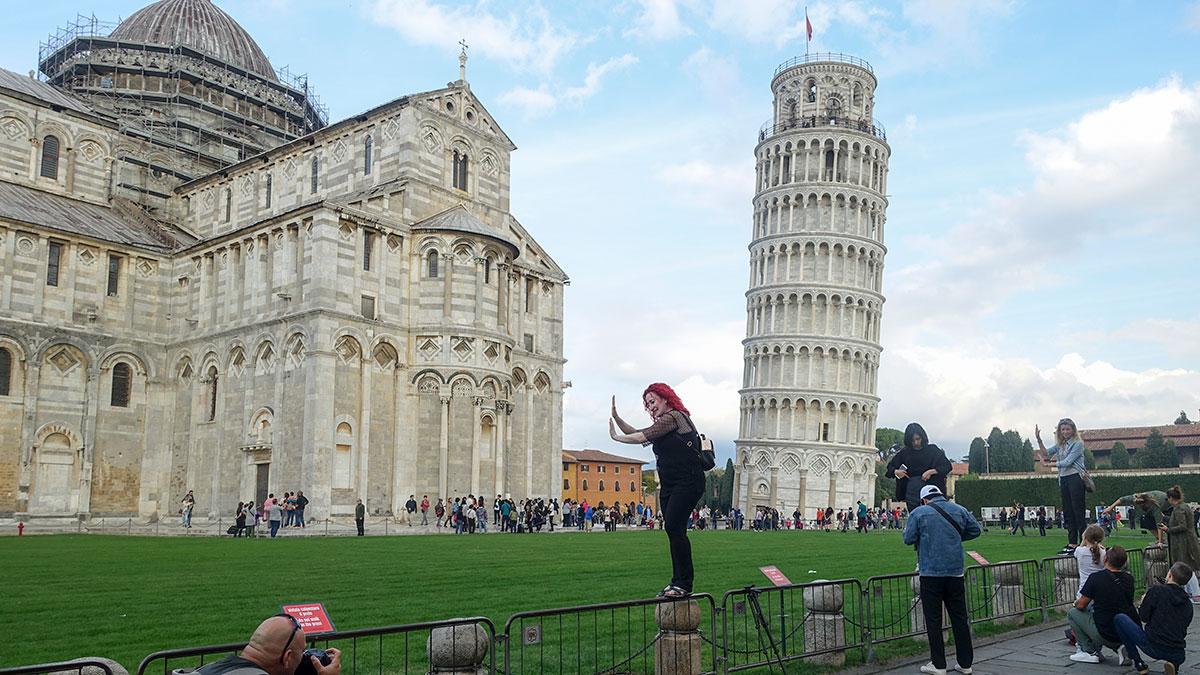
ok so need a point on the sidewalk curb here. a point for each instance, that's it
(873, 668)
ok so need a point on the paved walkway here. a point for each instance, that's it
(1045, 650)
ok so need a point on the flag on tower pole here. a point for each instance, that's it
(808, 31)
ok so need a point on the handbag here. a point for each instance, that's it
(1089, 485)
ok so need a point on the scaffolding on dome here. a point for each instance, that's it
(78, 57)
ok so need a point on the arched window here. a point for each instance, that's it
(5, 372)
(632, 486)
(50, 157)
(812, 91)
(121, 381)
(270, 185)
(566, 484)
(617, 485)
(585, 484)
(367, 147)
(602, 485)
(228, 204)
(313, 172)
(343, 456)
(433, 264)
(460, 170)
(212, 393)
(487, 270)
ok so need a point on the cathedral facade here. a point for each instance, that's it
(206, 286)
(815, 298)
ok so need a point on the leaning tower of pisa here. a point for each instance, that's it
(808, 401)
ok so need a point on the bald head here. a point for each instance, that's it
(271, 640)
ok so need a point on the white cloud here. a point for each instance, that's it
(525, 38)
(540, 101)
(711, 185)
(1129, 165)
(718, 76)
(757, 21)
(595, 75)
(960, 393)
(1191, 17)
(658, 20)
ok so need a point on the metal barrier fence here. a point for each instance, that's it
(750, 628)
(772, 626)
(637, 636)
(410, 648)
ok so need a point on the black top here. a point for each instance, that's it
(231, 664)
(410, 505)
(301, 502)
(1167, 611)
(918, 461)
(1111, 594)
(676, 453)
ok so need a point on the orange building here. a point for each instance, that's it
(601, 477)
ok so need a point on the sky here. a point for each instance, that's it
(1042, 234)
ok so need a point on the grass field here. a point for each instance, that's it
(124, 597)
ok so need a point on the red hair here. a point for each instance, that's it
(666, 393)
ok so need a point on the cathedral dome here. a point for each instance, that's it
(198, 25)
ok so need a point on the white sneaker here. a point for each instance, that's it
(965, 670)
(1084, 657)
(932, 669)
(1123, 657)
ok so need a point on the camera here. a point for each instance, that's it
(306, 666)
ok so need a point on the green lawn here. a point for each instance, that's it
(123, 597)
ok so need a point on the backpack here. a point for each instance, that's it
(706, 456)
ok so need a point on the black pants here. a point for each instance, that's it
(951, 592)
(359, 523)
(1074, 519)
(678, 498)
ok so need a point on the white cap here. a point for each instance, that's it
(929, 490)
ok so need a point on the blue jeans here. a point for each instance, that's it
(299, 519)
(274, 528)
(1135, 638)
(186, 521)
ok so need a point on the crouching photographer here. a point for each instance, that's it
(277, 648)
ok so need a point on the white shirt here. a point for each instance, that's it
(1083, 556)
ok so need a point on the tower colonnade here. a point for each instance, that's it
(815, 299)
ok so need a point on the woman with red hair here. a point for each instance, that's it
(681, 480)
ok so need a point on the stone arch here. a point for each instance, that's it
(385, 355)
(261, 423)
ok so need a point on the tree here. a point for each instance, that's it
(727, 479)
(1027, 455)
(1089, 460)
(1183, 418)
(1119, 457)
(1158, 452)
(885, 439)
(649, 483)
(977, 459)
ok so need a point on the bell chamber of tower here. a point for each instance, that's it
(808, 397)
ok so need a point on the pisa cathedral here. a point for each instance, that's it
(808, 402)
(205, 285)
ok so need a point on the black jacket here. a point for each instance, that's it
(918, 462)
(1167, 612)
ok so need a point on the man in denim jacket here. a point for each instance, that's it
(939, 528)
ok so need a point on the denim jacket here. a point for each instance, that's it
(1068, 458)
(939, 548)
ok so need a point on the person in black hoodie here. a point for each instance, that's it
(1167, 612)
(916, 465)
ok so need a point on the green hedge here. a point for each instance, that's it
(974, 493)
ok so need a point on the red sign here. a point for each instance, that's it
(312, 617)
(775, 575)
(978, 558)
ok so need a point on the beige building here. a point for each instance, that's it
(808, 401)
(203, 285)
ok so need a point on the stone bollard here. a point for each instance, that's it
(1066, 580)
(1154, 564)
(918, 611)
(459, 649)
(825, 625)
(677, 649)
(1010, 595)
(113, 666)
